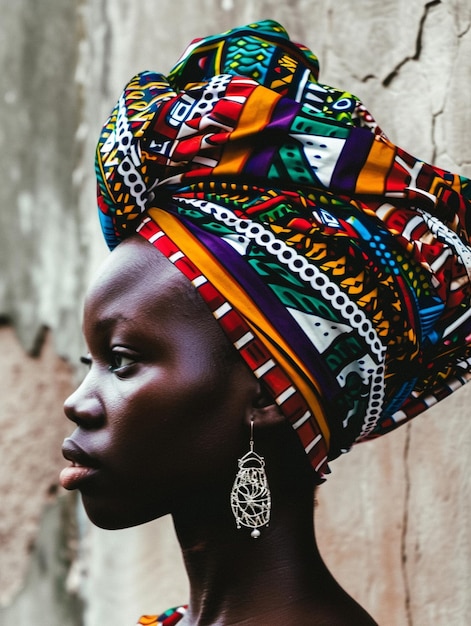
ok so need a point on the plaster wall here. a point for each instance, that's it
(394, 517)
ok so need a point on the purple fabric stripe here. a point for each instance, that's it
(260, 162)
(351, 160)
(283, 115)
(262, 158)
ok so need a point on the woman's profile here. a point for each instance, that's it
(284, 283)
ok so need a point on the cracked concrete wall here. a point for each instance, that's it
(393, 519)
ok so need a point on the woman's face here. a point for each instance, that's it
(162, 414)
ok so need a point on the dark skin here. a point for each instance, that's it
(162, 417)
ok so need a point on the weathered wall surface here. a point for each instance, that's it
(394, 518)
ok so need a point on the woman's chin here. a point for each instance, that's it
(117, 517)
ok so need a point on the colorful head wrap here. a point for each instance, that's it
(338, 264)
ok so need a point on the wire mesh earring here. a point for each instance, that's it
(250, 495)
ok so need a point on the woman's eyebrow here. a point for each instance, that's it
(105, 323)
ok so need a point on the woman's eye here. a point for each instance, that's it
(121, 361)
(86, 360)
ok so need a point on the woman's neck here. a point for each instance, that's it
(277, 578)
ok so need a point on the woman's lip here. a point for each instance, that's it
(82, 467)
(71, 477)
(73, 452)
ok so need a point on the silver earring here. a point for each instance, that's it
(250, 495)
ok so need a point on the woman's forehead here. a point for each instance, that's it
(134, 274)
(136, 285)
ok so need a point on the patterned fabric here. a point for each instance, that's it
(169, 618)
(338, 264)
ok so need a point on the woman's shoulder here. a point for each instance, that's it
(169, 618)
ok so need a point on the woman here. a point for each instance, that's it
(287, 283)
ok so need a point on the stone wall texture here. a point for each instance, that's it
(394, 518)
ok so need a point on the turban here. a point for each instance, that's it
(338, 264)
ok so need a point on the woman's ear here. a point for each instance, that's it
(264, 411)
(262, 397)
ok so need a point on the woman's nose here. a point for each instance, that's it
(84, 407)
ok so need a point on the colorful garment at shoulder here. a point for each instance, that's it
(169, 618)
(338, 264)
